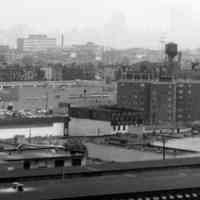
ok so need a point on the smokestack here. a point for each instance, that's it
(62, 41)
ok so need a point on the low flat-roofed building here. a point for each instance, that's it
(34, 159)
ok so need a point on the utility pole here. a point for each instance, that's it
(63, 173)
(163, 145)
(47, 100)
(46, 97)
(30, 135)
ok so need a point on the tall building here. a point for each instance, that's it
(165, 99)
(36, 43)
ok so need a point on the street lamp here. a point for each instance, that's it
(163, 145)
(46, 96)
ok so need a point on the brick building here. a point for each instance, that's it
(161, 101)
(134, 95)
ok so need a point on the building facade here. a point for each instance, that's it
(36, 43)
(162, 99)
(174, 101)
(134, 95)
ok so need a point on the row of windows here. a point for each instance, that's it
(181, 91)
(181, 116)
(182, 85)
(119, 128)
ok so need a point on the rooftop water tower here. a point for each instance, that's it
(171, 50)
(173, 66)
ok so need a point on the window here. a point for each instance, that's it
(153, 92)
(118, 128)
(57, 96)
(180, 91)
(187, 196)
(59, 163)
(179, 196)
(180, 116)
(169, 92)
(142, 85)
(194, 195)
(41, 164)
(156, 198)
(180, 85)
(27, 165)
(76, 161)
(171, 197)
(180, 97)
(124, 127)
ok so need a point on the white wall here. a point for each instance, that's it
(55, 130)
(88, 127)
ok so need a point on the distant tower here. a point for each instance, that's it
(162, 47)
(62, 41)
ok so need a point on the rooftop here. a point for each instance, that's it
(170, 167)
(102, 186)
(35, 155)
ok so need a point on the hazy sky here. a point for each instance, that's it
(119, 23)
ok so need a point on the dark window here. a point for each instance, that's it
(57, 96)
(76, 161)
(59, 163)
(27, 165)
(124, 127)
(119, 128)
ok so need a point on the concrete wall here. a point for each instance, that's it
(88, 127)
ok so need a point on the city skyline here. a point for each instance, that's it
(110, 23)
